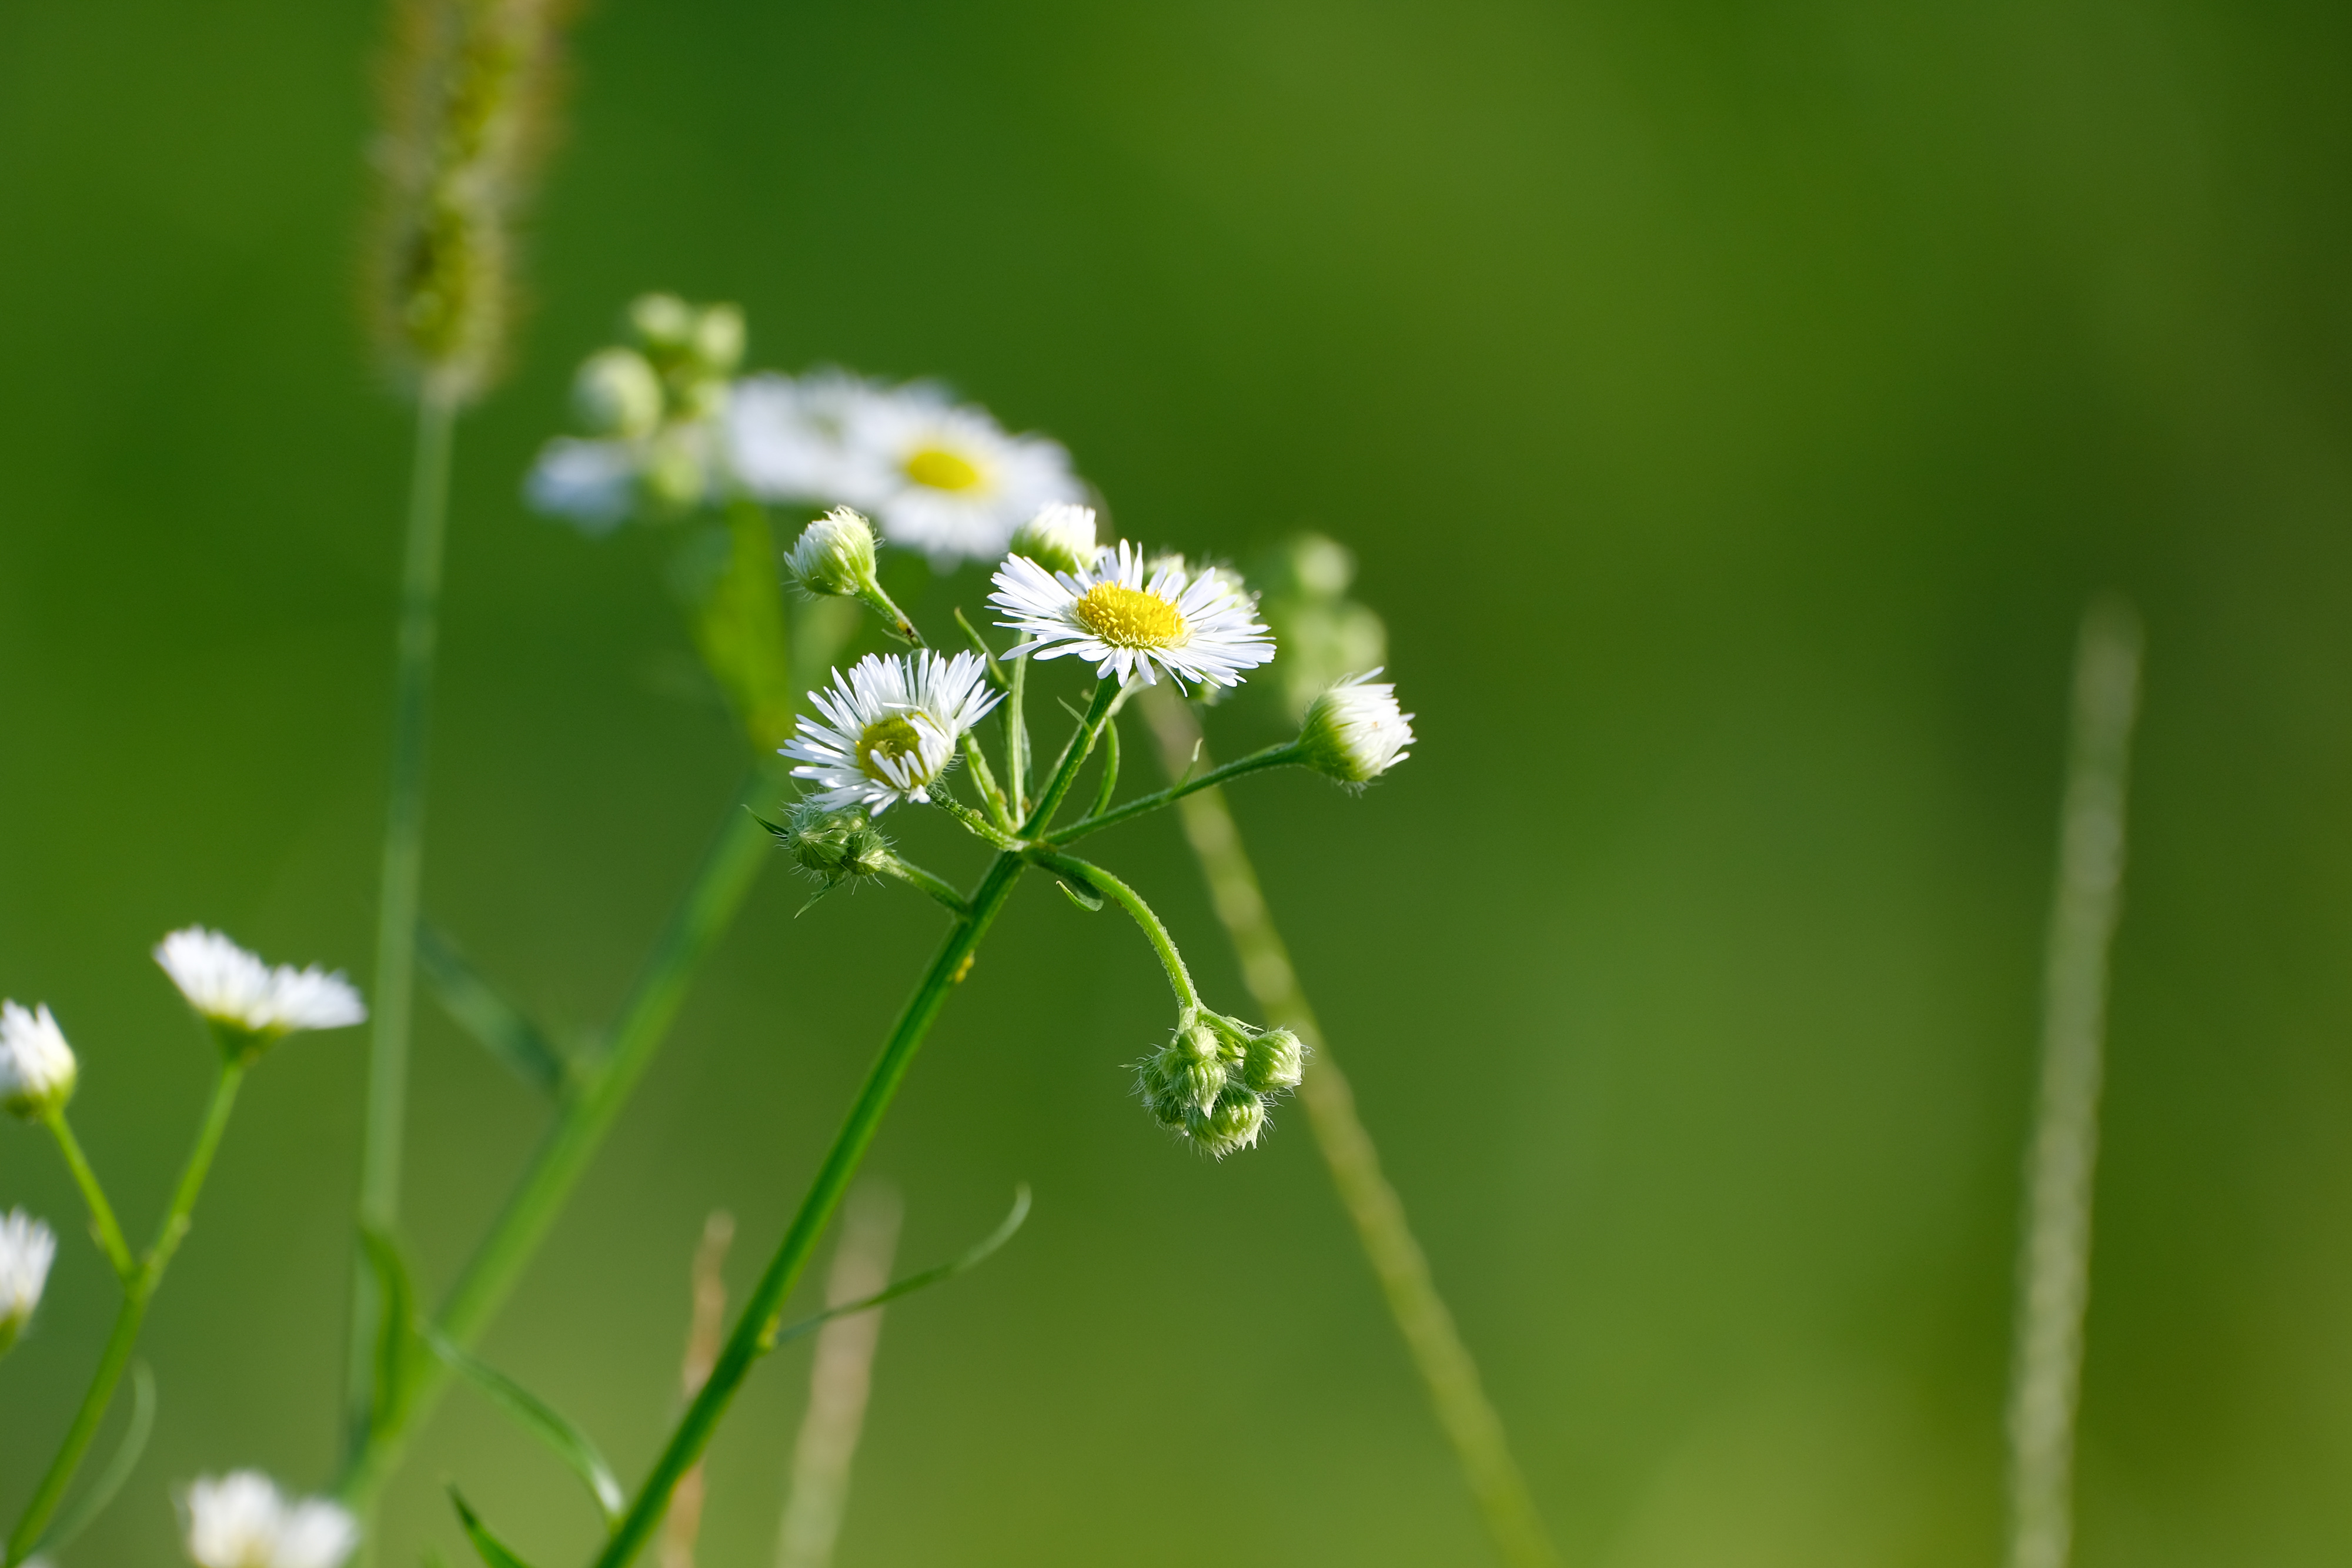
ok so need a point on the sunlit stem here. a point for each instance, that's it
(139, 1290)
(762, 1319)
(1180, 978)
(1016, 740)
(1465, 1414)
(983, 775)
(915, 876)
(896, 619)
(2055, 1269)
(381, 1123)
(1074, 755)
(1144, 805)
(103, 1222)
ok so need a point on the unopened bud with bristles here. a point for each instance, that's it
(1355, 732)
(834, 846)
(1275, 1061)
(1230, 1125)
(466, 95)
(616, 392)
(835, 555)
(1059, 538)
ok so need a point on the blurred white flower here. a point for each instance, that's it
(890, 728)
(1355, 732)
(37, 1065)
(783, 435)
(27, 1247)
(243, 1520)
(592, 483)
(226, 984)
(1196, 627)
(945, 478)
(1059, 538)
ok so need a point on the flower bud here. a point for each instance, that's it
(1182, 1079)
(37, 1066)
(718, 345)
(1059, 538)
(1275, 1061)
(1232, 1124)
(1355, 732)
(834, 846)
(616, 392)
(676, 471)
(663, 322)
(26, 1249)
(833, 555)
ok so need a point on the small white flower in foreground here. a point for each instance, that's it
(890, 728)
(243, 1520)
(37, 1065)
(945, 478)
(1355, 732)
(592, 483)
(230, 985)
(1059, 538)
(26, 1250)
(1197, 627)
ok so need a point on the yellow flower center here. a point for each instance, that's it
(894, 738)
(940, 469)
(1130, 618)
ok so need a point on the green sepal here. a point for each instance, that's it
(497, 1554)
(564, 1440)
(484, 1011)
(395, 1328)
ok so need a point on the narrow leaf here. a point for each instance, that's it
(563, 1439)
(396, 1333)
(1081, 892)
(485, 1013)
(61, 1532)
(495, 1553)
(980, 1253)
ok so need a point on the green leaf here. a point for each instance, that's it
(563, 1439)
(61, 1531)
(1081, 891)
(485, 1012)
(395, 1332)
(978, 1254)
(495, 1553)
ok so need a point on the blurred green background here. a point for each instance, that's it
(1733, 406)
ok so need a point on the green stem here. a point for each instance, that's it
(1142, 805)
(139, 1290)
(1073, 756)
(916, 876)
(102, 1213)
(981, 775)
(1468, 1418)
(734, 862)
(404, 852)
(1016, 740)
(756, 1328)
(1180, 978)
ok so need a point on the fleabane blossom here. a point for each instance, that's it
(944, 477)
(230, 986)
(1355, 732)
(27, 1247)
(890, 728)
(37, 1066)
(1195, 626)
(243, 1520)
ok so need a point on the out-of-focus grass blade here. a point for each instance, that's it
(485, 1013)
(563, 1439)
(61, 1534)
(979, 1254)
(396, 1333)
(495, 1553)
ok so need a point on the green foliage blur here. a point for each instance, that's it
(1731, 405)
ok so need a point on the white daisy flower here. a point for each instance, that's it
(27, 1247)
(243, 1520)
(783, 435)
(37, 1065)
(945, 478)
(890, 730)
(1197, 627)
(1355, 732)
(1059, 538)
(227, 984)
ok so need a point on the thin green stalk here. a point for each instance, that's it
(1463, 1412)
(755, 1329)
(742, 851)
(2055, 1270)
(404, 857)
(1016, 739)
(1180, 978)
(984, 777)
(102, 1213)
(915, 876)
(1143, 805)
(139, 1291)
(1074, 755)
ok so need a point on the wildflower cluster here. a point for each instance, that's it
(1215, 1079)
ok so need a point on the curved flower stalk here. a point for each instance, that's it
(247, 1005)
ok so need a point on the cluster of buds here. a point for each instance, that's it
(1213, 1081)
(833, 846)
(661, 392)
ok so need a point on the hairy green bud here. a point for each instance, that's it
(1230, 1125)
(834, 846)
(1275, 1061)
(616, 392)
(1355, 732)
(833, 555)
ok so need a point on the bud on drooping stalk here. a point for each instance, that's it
(465, 87)
(37, 1066)
(1355, 732)
(1211, 1082)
